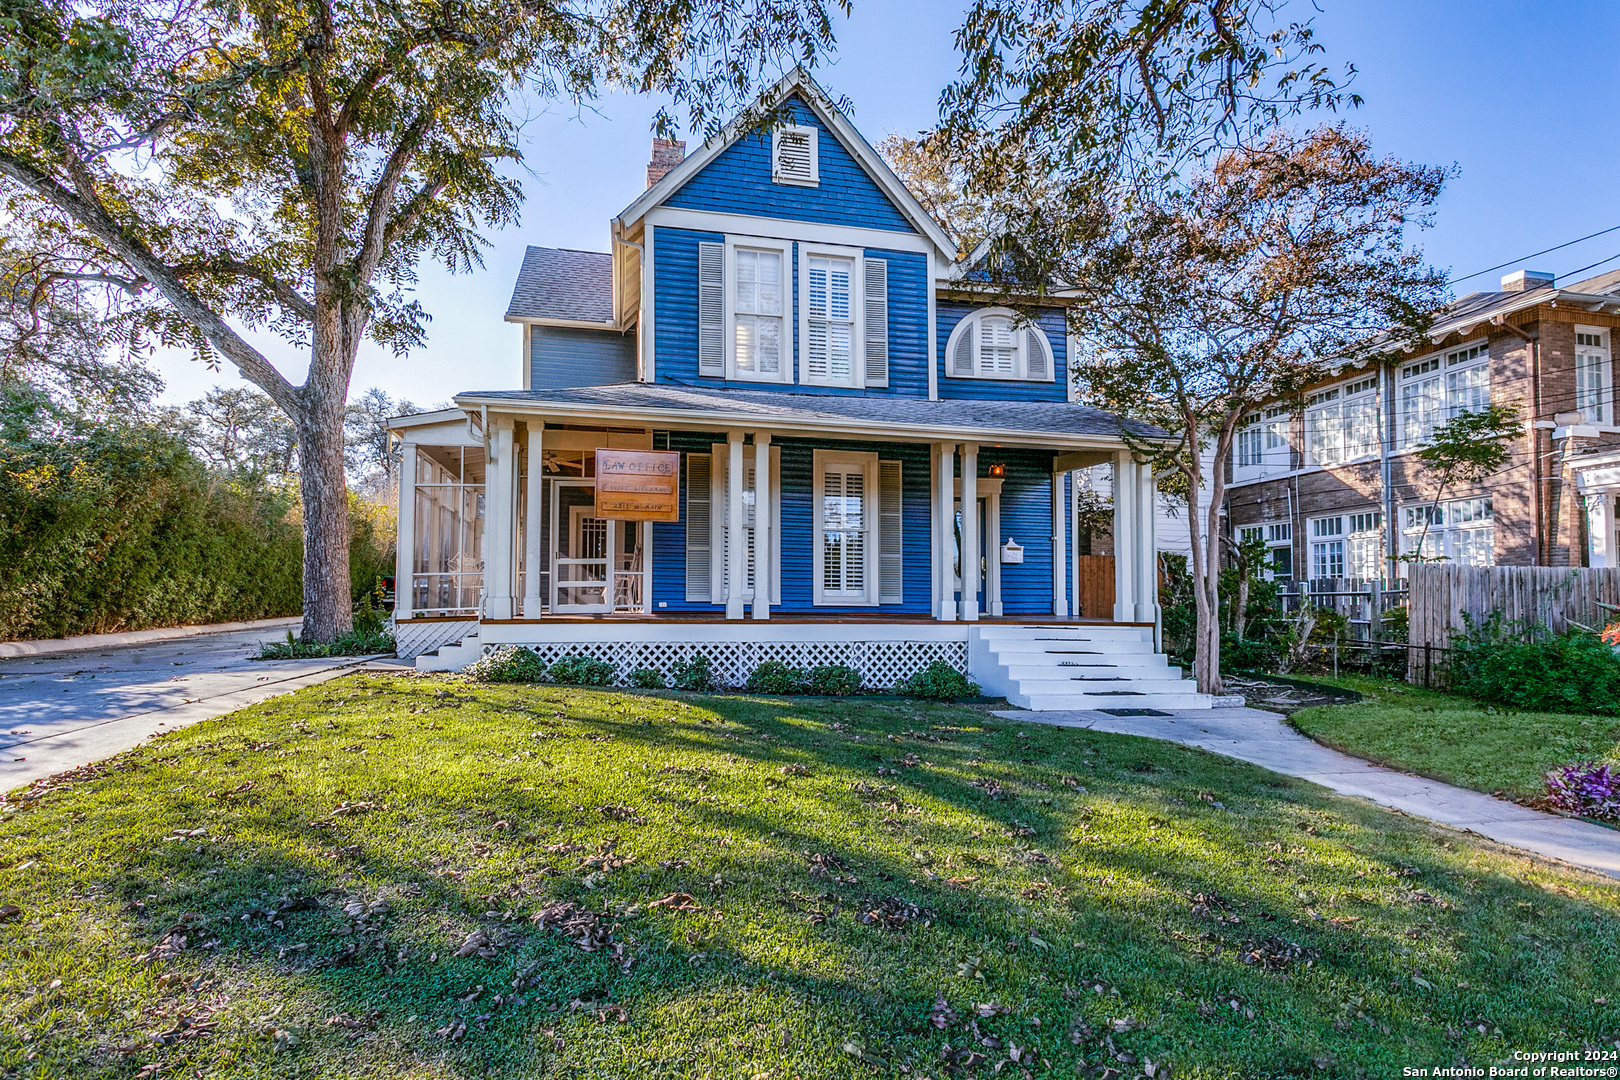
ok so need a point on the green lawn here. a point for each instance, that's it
(1463, 742)
(387, 876)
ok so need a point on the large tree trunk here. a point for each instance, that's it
(327, 606)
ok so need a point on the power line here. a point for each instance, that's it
(1594, 266)
(1538, 254)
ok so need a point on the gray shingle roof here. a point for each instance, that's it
(558, 283)
(1057, 418)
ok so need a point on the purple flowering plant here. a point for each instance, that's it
(1586, 789)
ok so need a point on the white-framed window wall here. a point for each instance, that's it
(1461, 531)
(846, 486)
(1341, 422)
(1436, 388)
(1594, 376)
(1347, 546)
(1278, 536)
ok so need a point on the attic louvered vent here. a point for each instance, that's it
(794, 157)
(1035, 356)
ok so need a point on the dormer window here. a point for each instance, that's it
(993, 343)
(794, 159)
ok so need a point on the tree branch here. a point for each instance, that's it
(287, 296)
(87, 210)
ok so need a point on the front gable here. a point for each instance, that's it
(739, 181)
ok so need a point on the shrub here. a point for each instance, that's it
(356, 642)
(1248, 654)
(646, 678)
(1589, 790)
(775, 677)
(833, 680)
(694, 673)
(581, 671)
(1574, 672)
(507, 664)
(938, 681)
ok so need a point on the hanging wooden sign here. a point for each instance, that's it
(638, 485)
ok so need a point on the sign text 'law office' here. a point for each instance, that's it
(638, 485)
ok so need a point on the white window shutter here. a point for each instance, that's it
(699, 523)
(720, 534)
(1035, 362)
(891, 562)
(712, 309)
(962, 359)
(877, 322)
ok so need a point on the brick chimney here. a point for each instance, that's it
(666, 154)
(1526, 280)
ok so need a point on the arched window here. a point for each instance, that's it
(993, 343)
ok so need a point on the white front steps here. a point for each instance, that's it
(452, 657)
(1077, 667)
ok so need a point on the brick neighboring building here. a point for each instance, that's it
(1336, 489)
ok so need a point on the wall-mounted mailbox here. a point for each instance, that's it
(1011, 552)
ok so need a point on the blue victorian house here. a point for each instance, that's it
(774, 422)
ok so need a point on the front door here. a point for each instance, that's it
(580, 546)
(984, 555)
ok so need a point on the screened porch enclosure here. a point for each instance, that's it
(447, 569)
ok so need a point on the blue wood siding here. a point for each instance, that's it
(738, 181)
(675, 318)
(798, 527)
(948, 313)
(562, 356)
(1026, 516)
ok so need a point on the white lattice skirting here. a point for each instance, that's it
(882, 664)
(415, 638)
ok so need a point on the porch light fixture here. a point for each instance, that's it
(998, 469)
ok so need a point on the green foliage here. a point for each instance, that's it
(1178, 610)
(354, 642)
(1572, 672)
(646, 678)
(120, 528)
(775, 677)
(833, 680)
(938, 682)
(507, 664)
(581, 671)
(694, 673)
(1248, 654)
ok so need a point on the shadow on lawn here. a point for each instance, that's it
(466, 852)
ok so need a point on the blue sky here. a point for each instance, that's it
(1516, 94)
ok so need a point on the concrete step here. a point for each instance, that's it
(452, 657)
(1058, 671)
(1066, 633)
(1047, 702)
(1127, 652)
(1049, 685)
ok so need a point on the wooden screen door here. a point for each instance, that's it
(580, 545)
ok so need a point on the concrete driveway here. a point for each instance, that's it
(61, 711)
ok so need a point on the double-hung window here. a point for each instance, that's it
(1341, 423)
(1593, 375)
(757, 327)
(1278, 536)
(1437, 388)
(1262, 442)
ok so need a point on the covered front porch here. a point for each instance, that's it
(805, 517)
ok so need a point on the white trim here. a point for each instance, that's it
(728, 283)
(812, 136)
(1020, 327)
(796, 80)
(868, 463)
(576, 324)
(528, 359)
(647, 339)
(675, 419)
(857, 313)
(808, 232)
(933, 333)
(1606, 370)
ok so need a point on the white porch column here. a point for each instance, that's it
(1125, 550)
(1600, 528)
(1147, 557)
(762, 526)
(500, 488)
(1060, 532)
(405, 534)
(533, 557)
(970, 532)
(1074, 549)
(944, 544)
(736, 552)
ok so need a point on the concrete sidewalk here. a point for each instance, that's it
(1263, 739)
(64, 710)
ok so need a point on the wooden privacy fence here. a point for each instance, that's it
(1095, 576)
(1554, 597)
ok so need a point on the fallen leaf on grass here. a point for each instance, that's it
(9, 911)
(971, 968)
(988, 1009)
(677, 902)
(476, 944)
(942, 1016)
(456, 1029)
